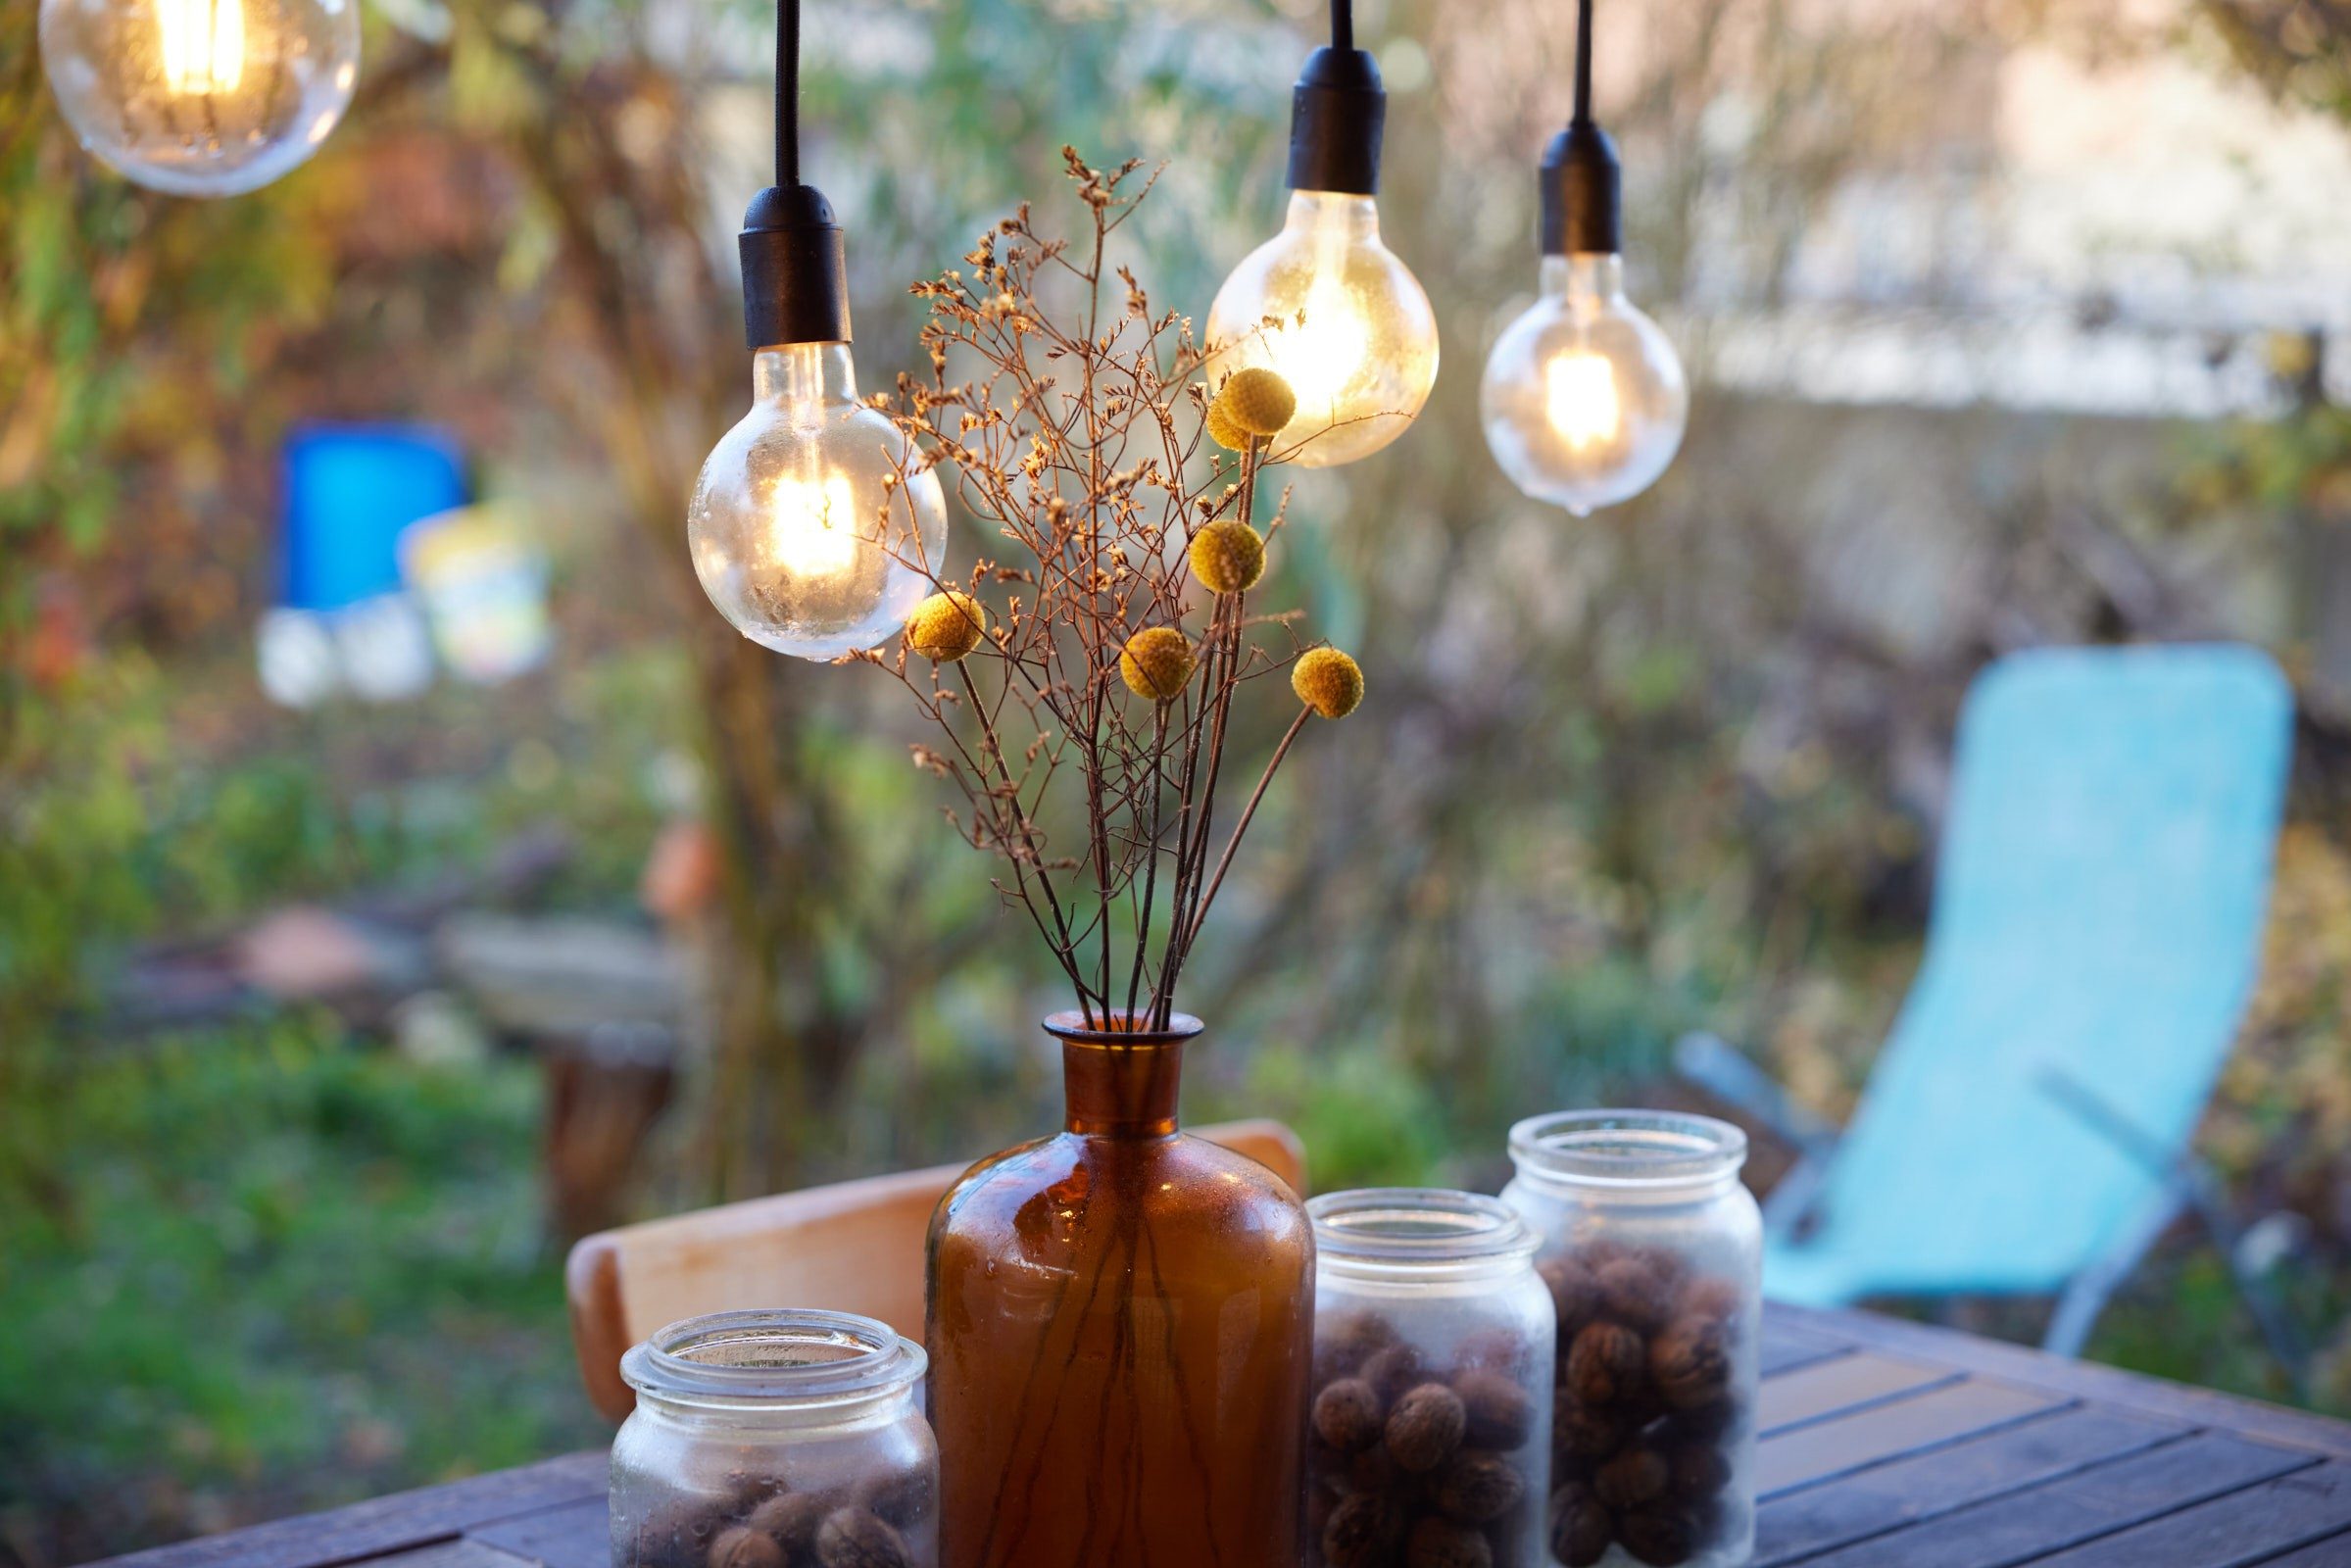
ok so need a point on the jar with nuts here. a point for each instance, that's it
(1430, 1421)
(1651, 1252)
(785, 1439)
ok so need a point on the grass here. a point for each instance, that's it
(285, 1273)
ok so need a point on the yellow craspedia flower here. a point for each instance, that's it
(1223, 432)
(1258, 402)
(1327, 681)
(1156, 663)
(1228, 555)
(946, 626)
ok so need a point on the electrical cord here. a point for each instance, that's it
(1343, 24)
(1583, 62)
(787, 93)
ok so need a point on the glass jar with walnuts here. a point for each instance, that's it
(1430, 1413)
(775, 1439)
(1653, 1254)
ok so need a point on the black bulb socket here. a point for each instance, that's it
(1337, 112)
(1583, 193)
(795, 270)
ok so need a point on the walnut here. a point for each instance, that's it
(791, 1519)
(1669, 1266)
(1606, 1363)
(1575, 1295)
(1697, 1471)
(1374, 1470)
(1439, 1543)
(1634, 1477)
(1477, 1487)
(852, 1538)
(1599, 1252)
(742, 1547)
(1347, 1416)
(1581, 1430)
(1580, 1527)
(1691, 1361)
(1658, 1537)
(1344, 1341)
(1392, 1371)
(1425, 1427)
(1501, 1414)
(1710, 1296)
(1631, 1293)
(1704, 1423)
(900, 1497)
(1365, 1531)
(1496, 1349)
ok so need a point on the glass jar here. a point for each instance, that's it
(1430, 1424)
(1120, 1322)
(772, 1439)
(1653, 1254)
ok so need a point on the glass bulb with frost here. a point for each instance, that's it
(1350, 329)
(200, 97)
(1583, 398)
(812, 528)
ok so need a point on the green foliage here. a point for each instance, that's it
(281, 1252)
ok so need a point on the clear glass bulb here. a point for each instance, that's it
(802, 531)
(1583, 398)
(200, 97)
(1354, 336)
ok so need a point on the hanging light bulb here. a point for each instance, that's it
(1584, 399)
(200, 97)
(813, 527)
(1324, 302)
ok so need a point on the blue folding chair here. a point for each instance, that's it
(2097, 932)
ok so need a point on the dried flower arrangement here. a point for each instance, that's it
(1079, 441)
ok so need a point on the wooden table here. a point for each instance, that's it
(1883, 1444)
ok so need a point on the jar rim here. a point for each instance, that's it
(1424, 1225)
(773, 1356)
(1627, 1148)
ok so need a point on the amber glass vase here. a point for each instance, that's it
(1121, 1317)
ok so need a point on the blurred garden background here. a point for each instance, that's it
(325, 1026)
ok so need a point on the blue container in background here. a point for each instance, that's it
(351, 491)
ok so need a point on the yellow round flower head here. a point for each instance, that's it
(1228, 557)
(1156, 663)
(1327, 681)
(1258, 401)
(946, 626)
(1223, 432)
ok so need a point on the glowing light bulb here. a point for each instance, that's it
(1583, 398)
(802, 528)
(200, 97)
(1351, 328)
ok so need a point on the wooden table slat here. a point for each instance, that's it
(2332, 1552)
(384, 1525)
(460, 1554)
(1783, 1346)
(2084, 1507)
(575, 1535)
(2236, 1530)
(1900, 1491)
(1846, 1383)
(1840, 1445)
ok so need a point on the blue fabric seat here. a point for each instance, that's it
(2097, 932)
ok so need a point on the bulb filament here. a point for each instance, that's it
(812, 527)
(203, 45)
(1580, 398)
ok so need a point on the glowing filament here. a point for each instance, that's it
(1580, 400)
(203, 45)
(1320, 355)
(813, 527)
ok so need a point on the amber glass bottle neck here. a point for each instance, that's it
(1121, 1083)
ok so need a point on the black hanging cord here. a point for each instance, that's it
(1342, 24)
(795, 270)
(1337, 112)
(1582, 61)
(787, 93)
(1582, 186)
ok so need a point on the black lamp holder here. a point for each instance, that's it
(1337, 112)
(1582, 181)
(795, 267)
